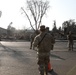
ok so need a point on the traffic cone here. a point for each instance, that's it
(50, 67)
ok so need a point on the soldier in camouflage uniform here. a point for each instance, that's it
(43, 49)
(70, 41)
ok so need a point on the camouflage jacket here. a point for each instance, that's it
(46, 43)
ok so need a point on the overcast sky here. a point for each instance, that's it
(60, 10)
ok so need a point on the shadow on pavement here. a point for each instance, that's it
(53, 55)
(15, 54)
(53, 73)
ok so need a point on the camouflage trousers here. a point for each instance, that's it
(70, 46)
(43, 64)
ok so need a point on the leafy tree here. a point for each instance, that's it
(38, 9)
(69, 25)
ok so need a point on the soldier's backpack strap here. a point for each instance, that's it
(42, 39)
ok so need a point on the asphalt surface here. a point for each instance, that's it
(17, 59)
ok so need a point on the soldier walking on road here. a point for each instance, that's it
(43, 42)
(70, 40)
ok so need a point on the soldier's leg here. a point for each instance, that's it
(46, 64)
(41, 65)
(46, 69)
(69, 46)
(33, 47)
(72, 47)
(31, 44)
(41, 69)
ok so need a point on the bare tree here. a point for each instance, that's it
(37, 9)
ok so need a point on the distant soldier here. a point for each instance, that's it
(48, 31)
(70, 40)
(32, 36)
(43, 42)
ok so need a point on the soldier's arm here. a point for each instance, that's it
(35, 42)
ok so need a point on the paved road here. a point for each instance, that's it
(65, 61)
(17, 59)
